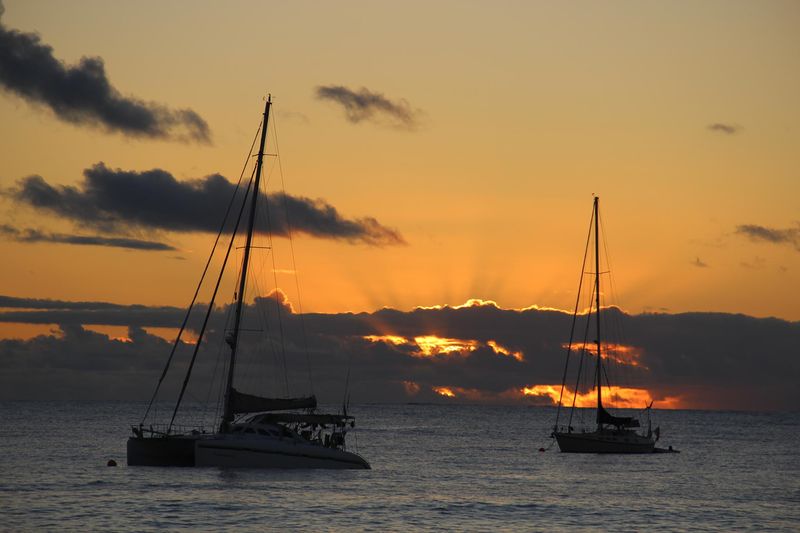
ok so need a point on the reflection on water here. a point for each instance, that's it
(436, 467)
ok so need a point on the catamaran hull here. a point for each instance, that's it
(603, 443)
(161, 451)
(233, 453)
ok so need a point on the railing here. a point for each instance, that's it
(164, 430)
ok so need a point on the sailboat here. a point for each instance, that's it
(612, 434)
(254, 431)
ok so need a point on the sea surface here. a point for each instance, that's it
(434, 467)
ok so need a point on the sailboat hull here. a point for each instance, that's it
(224, 451)
(604, 442)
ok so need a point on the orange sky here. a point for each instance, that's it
(525, 108)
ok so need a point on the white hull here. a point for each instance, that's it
(243, 452)
(604, 442)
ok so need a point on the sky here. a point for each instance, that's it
(427, 156)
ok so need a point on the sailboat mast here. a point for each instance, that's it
(227, 416)
(597, 305)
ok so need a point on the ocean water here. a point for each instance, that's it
(435, 467)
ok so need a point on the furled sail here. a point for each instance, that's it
(604, 417)
(249, 403)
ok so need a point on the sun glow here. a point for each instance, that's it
(444, 391)
(618, 353)
(435, 346)
(620, 397)
(390, 339)
(505, 351)
(472, 302)
(114, 333)
(431, 345)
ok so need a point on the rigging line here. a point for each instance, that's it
(221, 384)
(572, 329)
(276, 359)
(202, 277)
(612, 365)
(264, 211)
(614, 294)
(345, 399)
(616, 320)
(580, 364)
(618, 323)
(294, 263)
(219, 357)
(278, 303)
(269, 339)
(619, 318)
(210, 305)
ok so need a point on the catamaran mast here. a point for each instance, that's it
(597, 306)
(227, 416)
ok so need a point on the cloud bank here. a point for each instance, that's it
(365, 105)
(705, 360)
(114, 200)
(83, 95)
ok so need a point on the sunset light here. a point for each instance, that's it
(472, 302)
(505, 351)
(431, 345)
(455, 248)
(390, 339)
(619, 397)
(444, 391)
(618, 353)
(434, 346)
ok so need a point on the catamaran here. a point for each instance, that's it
(253, 431)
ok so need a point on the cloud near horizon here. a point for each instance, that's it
(83, 95)
(690, 360)
(365, 105)
(117, 201)
(29, 235)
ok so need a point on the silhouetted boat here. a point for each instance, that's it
(254, 431)
(612, 434)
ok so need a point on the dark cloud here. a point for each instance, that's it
(45, 311)
(366, 105)
(82, 94)
(789, 236)
(710, 360)
(80, 364)
(727, 129)
(42, 303)
(33, 235)
(117, 200)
